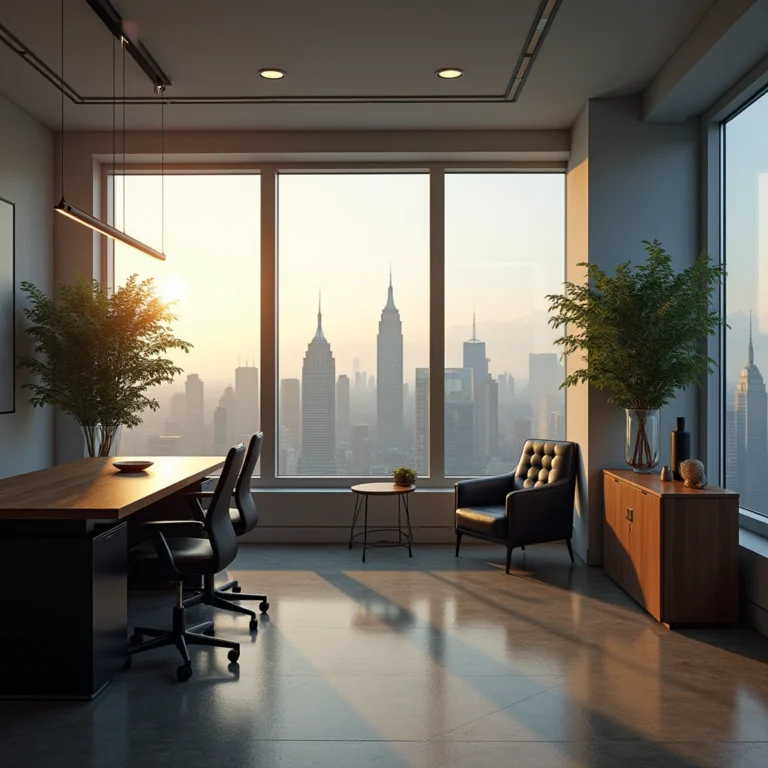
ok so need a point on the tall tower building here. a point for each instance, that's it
(290, 412)
(474, 355)
(318, 406)
(544, 379)
(389, 377)
(421, 428)
(750, 406)
(194, 392)
(247, 417)
(485, 396)
(342, 407)
(459, 422)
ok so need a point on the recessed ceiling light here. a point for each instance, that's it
(272, 74)
(450, 73)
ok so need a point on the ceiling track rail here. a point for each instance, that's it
(113, 21)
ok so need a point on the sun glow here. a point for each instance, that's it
(173, 288)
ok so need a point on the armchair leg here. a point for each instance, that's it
(522, 546)
(458, 542)
(509, 556)
(570, 548)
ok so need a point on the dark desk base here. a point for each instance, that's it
(63, 606)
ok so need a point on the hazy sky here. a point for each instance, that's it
(746, 235)
(339, 234)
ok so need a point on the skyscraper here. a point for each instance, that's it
(474, 355)
(361, 450)
(421, 437)
(750, 406)
(290, 411)
(485, 396)
(224, 426)
(318, 406)
(389, 377)
(342, 407)
(459, 422)
(247, 417)
(194, 392)
(544, 379)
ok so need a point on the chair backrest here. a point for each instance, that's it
(246, 506)
(545, 461)
(218, 524)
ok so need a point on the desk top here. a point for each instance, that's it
(382, 489)
(92, 489)
(653, 484)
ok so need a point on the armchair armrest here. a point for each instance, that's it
(483, 491)
(541, 514)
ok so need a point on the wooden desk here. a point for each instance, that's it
(673, 549)
(63, 570)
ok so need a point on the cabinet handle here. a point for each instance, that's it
(630, 514)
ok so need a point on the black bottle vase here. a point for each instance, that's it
(679, 447)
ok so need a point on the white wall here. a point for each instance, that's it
(628, 181)
(26, 178)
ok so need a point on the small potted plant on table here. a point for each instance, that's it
(404, 476)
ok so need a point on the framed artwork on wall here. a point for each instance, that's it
(7, 306)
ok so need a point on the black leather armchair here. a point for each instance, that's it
(531, 505)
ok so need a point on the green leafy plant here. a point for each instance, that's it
(404, 476)
(96, 355)
(640, 333)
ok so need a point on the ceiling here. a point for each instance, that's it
(381, 55)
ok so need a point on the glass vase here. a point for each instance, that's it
(100, 440)
(641, 451)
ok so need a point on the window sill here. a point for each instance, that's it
(754, 523)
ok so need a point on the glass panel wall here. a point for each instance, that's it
(745, 231)
(504, 251)
(353, 322)
(211, 235)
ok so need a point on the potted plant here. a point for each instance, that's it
(640, 334)
(96, 354)
(404, 476)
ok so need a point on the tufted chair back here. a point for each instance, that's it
(545, 461)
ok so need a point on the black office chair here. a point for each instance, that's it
(531, 505)
(245, 518)
(179, 557)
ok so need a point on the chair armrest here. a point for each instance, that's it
(483, 491)
(199, 494)
(179, 527)
(537, 513)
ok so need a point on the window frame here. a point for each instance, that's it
(268, 172)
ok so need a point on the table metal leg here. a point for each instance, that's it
(408, 520)
(365, 528)
(399, 525)
(358, 507)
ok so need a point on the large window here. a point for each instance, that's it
(210, 231)
(353, 322)
(746, 256)
(504, 251)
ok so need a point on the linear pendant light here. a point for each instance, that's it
(80, 216)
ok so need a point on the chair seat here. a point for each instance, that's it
(488, 521)
(189, 555)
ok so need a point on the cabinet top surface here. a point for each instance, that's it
(652, 483)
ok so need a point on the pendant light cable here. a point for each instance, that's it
(122, 43)
(114, 130)
(61, 86)
(161, 92)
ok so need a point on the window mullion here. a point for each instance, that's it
(268, 324)
(436, 322)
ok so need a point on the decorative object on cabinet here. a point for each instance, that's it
(675, 550)
(679, 446)
(666, 474)
(639, 335)
(693, 474)
(96, 355)
(7, 306)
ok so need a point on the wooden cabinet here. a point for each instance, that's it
(673, 549)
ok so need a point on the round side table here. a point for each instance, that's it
(362, 492)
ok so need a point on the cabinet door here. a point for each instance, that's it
(644, 547)
(612, 527)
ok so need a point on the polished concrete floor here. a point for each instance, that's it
(428, 662)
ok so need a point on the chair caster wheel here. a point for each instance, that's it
(135, 639)
(263, 606)
(233, 656)
(211, 632)
(184, 673)
(237, 588)
(127, 663)
(253, 625)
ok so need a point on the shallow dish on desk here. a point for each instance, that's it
(132, 466)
